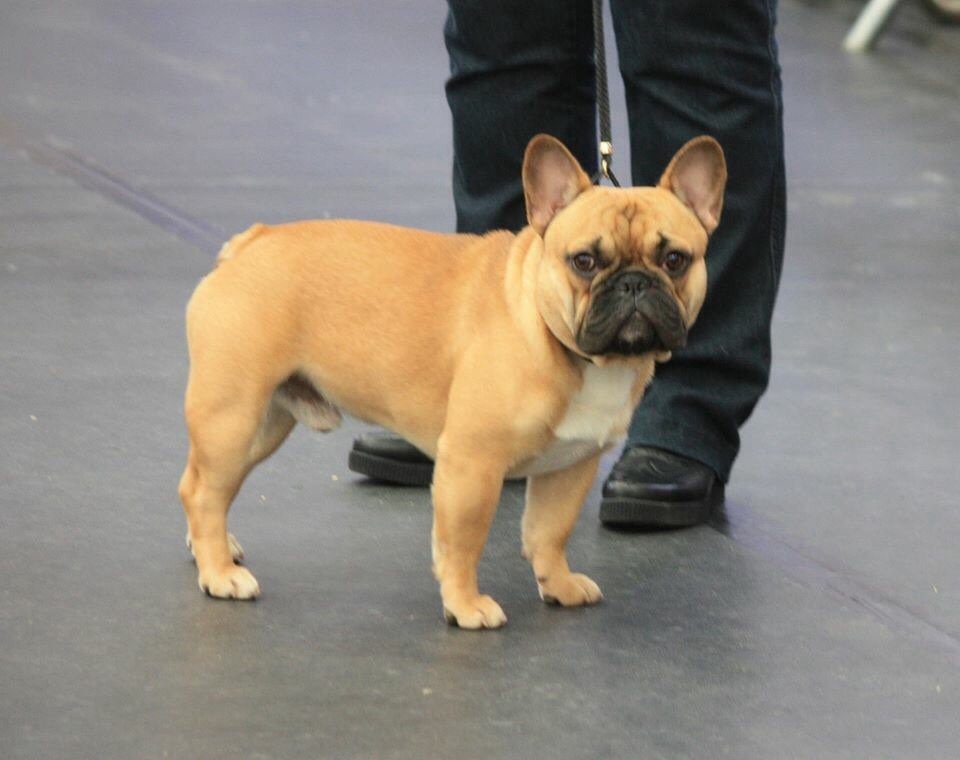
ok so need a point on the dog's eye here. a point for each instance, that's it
(675, 262)
(585, 263)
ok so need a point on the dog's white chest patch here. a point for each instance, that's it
(596, 418)
(600, 405)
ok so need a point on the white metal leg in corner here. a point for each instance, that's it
(865, 29)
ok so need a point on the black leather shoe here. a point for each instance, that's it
(385, 456)
(652, 488)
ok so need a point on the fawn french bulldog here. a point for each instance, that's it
(501, 354)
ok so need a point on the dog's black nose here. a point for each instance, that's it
(632, 283)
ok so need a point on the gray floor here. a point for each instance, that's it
(818, 618)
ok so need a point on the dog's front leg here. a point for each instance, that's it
(553, 504)
(466, 490)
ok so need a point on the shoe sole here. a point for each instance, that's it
(391, 470)
(640, 513)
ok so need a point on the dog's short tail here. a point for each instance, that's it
(238, 242)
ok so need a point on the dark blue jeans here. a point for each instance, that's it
(689, 67)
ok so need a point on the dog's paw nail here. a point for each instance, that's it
(234, 583)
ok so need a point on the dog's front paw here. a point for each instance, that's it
(477, 612)
(569, 589)
(234, 582)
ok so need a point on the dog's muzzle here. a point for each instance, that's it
(631, 314)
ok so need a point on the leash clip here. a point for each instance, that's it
(606, 162)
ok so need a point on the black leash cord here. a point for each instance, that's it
(603, 95)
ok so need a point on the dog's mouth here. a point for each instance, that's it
(629, 326)
(636, 328)
(637, 335)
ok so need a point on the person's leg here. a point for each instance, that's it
(516, 69)
(698, 67)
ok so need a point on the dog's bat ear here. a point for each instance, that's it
(697, 175)
(552, 178)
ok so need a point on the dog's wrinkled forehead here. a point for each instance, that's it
(644, 220)
(630, 225)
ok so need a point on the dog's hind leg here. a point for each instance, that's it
(272, 432)
(227, 440)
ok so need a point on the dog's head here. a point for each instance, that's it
(623, 272)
